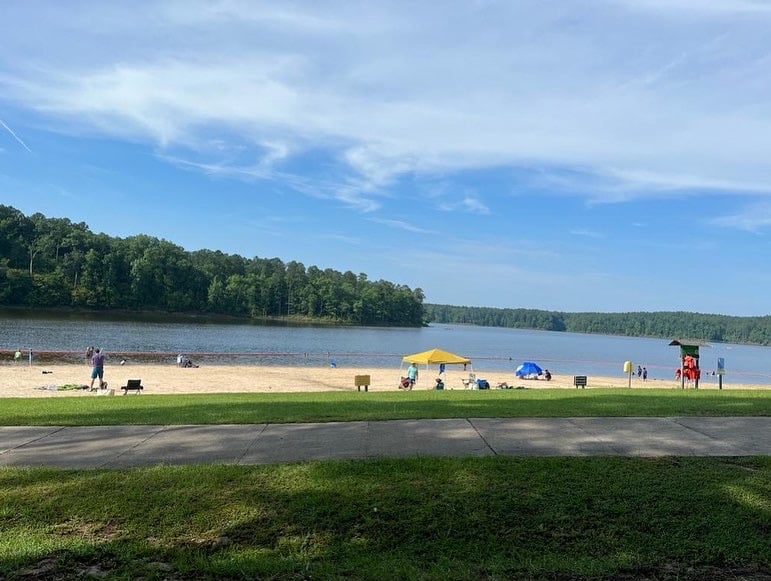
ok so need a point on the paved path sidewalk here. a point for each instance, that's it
(123, 446)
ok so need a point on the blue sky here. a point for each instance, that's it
(606, 155)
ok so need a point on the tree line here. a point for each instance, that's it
(53, 262)
(706, 327)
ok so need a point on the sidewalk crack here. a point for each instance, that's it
(46, 435)
(712, 438)
(252, 443)
(134, 447)
(481, 437)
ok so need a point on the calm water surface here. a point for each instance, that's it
(489, 348)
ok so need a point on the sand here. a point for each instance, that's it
(21, 380)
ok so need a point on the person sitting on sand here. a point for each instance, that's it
(546, 375)
(185, 361)
(439, 383)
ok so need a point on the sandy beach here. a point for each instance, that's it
(21, 380)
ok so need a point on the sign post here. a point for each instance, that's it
(720, 371)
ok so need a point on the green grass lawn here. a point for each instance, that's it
(421, 518)
(489, 518)
(335, 406)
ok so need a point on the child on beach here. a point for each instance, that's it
(412, 374)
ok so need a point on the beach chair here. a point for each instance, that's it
(134, 385)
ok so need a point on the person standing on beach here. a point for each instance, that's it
(89, 354)
(97, 368)
(17, 356)
(645, 374)
(412, 374)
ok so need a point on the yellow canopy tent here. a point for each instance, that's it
(437, 357)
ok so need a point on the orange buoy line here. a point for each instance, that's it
(306, 354)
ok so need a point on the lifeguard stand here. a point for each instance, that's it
(689, 359)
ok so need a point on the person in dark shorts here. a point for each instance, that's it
(412, 374)
(97, 368)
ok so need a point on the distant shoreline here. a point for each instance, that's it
(120, 315)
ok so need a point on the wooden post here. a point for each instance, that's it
(682, 374)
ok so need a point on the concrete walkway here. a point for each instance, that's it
(125, 446)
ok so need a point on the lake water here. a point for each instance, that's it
(489, 348)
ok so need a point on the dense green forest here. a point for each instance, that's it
(52, 262)
(717, 328)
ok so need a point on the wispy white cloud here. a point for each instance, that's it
(470, 203)
(586, 233)
(229, 162)
(461, 249)
(352, 196)
(345, 239)
(64, 192)
(644, 96)
(401, 225)
(475, 205)
(352, 192)
(752, 218)
(698, 7)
